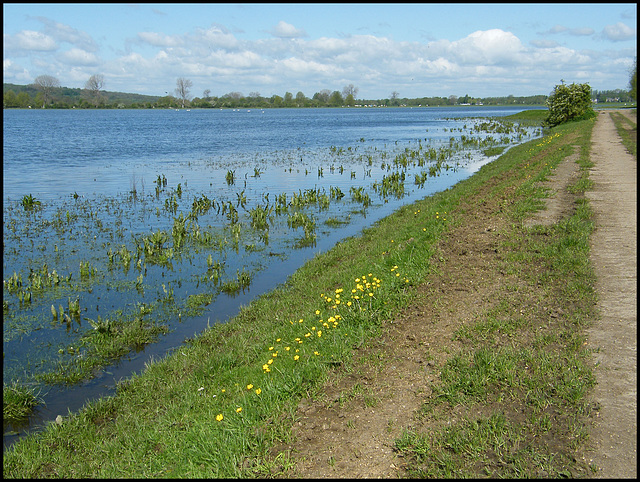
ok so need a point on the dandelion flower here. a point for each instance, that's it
(219, 417)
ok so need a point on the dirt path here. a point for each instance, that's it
(614, 254)
(350, 429)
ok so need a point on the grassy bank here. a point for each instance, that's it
(222, 400)
(512, 400)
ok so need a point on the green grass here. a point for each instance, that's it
(627, 130)
(529, 374)
(18, 402)
(218, 404)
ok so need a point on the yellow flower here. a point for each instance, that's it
(296, 357)
(278, 340)
(249, 387)
(319, 333)
(268, 363)
(223, 390)
(316, 353)
(317, 312)
(287, 348)
(258, 391)
(270, 348)
(265, 366)
(239, 409)
(219, 417)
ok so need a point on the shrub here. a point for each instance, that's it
(569, 102)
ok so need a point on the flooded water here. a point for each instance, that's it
(221, 190)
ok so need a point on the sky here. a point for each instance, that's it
(416, 50)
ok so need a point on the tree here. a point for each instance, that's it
(183, 87)
(23, 99)
(349, 100)
(348, 90)
(301, 99)
(322, 96)
(633, 81)
(46, 84)
(10, 99)
(335, 99)
(394, 98)
(93, 86)
(206, 94)
(569, 102)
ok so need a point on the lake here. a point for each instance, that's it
(174, 218)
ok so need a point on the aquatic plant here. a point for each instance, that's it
(29, 202)
(230, 177)
(359, 195)
(260, 217)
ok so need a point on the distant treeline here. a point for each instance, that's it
(29, 96)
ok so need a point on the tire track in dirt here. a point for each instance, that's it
(614, 255)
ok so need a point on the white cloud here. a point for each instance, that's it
(160, 40)
(215, 37)
(544, 44)
(578, 32)
(27, 41)
(619, 32)
(17, 73)
(65, 34)
(286, 30)
(79, 57)
(485, 47)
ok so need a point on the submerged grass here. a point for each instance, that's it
(218, 404)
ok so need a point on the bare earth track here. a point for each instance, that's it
(349, 430)
(614, 254)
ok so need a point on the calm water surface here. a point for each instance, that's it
(97, 175)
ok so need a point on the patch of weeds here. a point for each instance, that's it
(29, 203)
(18, 402)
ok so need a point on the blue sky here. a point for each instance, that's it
(415, 50)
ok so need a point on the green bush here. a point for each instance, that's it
(569, 102)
